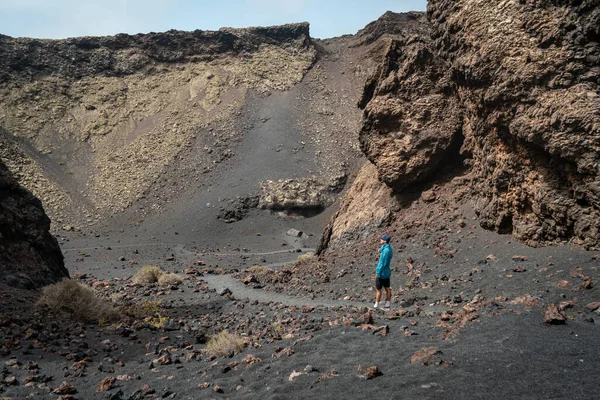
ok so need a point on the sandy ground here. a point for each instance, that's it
(506, 352)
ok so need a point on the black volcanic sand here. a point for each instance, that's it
(480, 309)
(506, 351)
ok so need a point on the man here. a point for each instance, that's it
(383, 271)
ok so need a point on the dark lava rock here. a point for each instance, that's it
(29, 255)
(237, 209)
(23, 58)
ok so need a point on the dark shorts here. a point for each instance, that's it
(380, 282)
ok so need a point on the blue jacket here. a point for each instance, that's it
(383, 270)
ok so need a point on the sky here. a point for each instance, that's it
(55, 19)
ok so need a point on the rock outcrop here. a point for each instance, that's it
(412, 116)
(527, 74)
(307, 194)
(27, 59)
(29, 255)
(366, 207)
(515, 88)
(393, 24)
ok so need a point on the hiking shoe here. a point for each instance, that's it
(387, 304)
(376, 305)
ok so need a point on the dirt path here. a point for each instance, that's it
(241, 291)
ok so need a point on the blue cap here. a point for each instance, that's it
(386, 237)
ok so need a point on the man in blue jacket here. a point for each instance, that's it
(383, 271)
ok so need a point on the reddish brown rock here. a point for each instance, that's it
(366, 207)
(251, 359)
(552, 315)
(65, 388)
(411, 118)
(250, 279)
(328, 375)
(593, 306)
(427, 355)
(564, 305)
(373, 372)
(106, 384)
(367, 318)
(281, 352)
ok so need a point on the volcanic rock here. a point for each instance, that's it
(65, 388)
(513, 94)
(364, 209)
(294, 233)
(553, 316)
(593, 306)
(427, 355)
(300, 194)
(29, 255)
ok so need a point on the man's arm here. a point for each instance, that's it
(381, 263)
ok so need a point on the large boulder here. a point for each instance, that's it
(29, 255)
(412, 116)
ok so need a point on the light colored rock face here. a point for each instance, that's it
(112, 113)
(520, 82)
(29, 255)
(315, 193)
(366, 207)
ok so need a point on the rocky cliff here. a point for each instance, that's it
(29, 254)
(101, 118)
(513, 87)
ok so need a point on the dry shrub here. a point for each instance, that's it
(306, 258)
(224, 342)
(141, 309)
(147, 274)
(257, 269)
(78, 300)
(169, 279)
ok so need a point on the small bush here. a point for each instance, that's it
(224, 342)
(142, 309)
(257, 269)
(169, 279)
(306, 258)
(147, 274)
(78, 300)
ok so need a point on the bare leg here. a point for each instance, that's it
(388, 294)
(378, 295)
